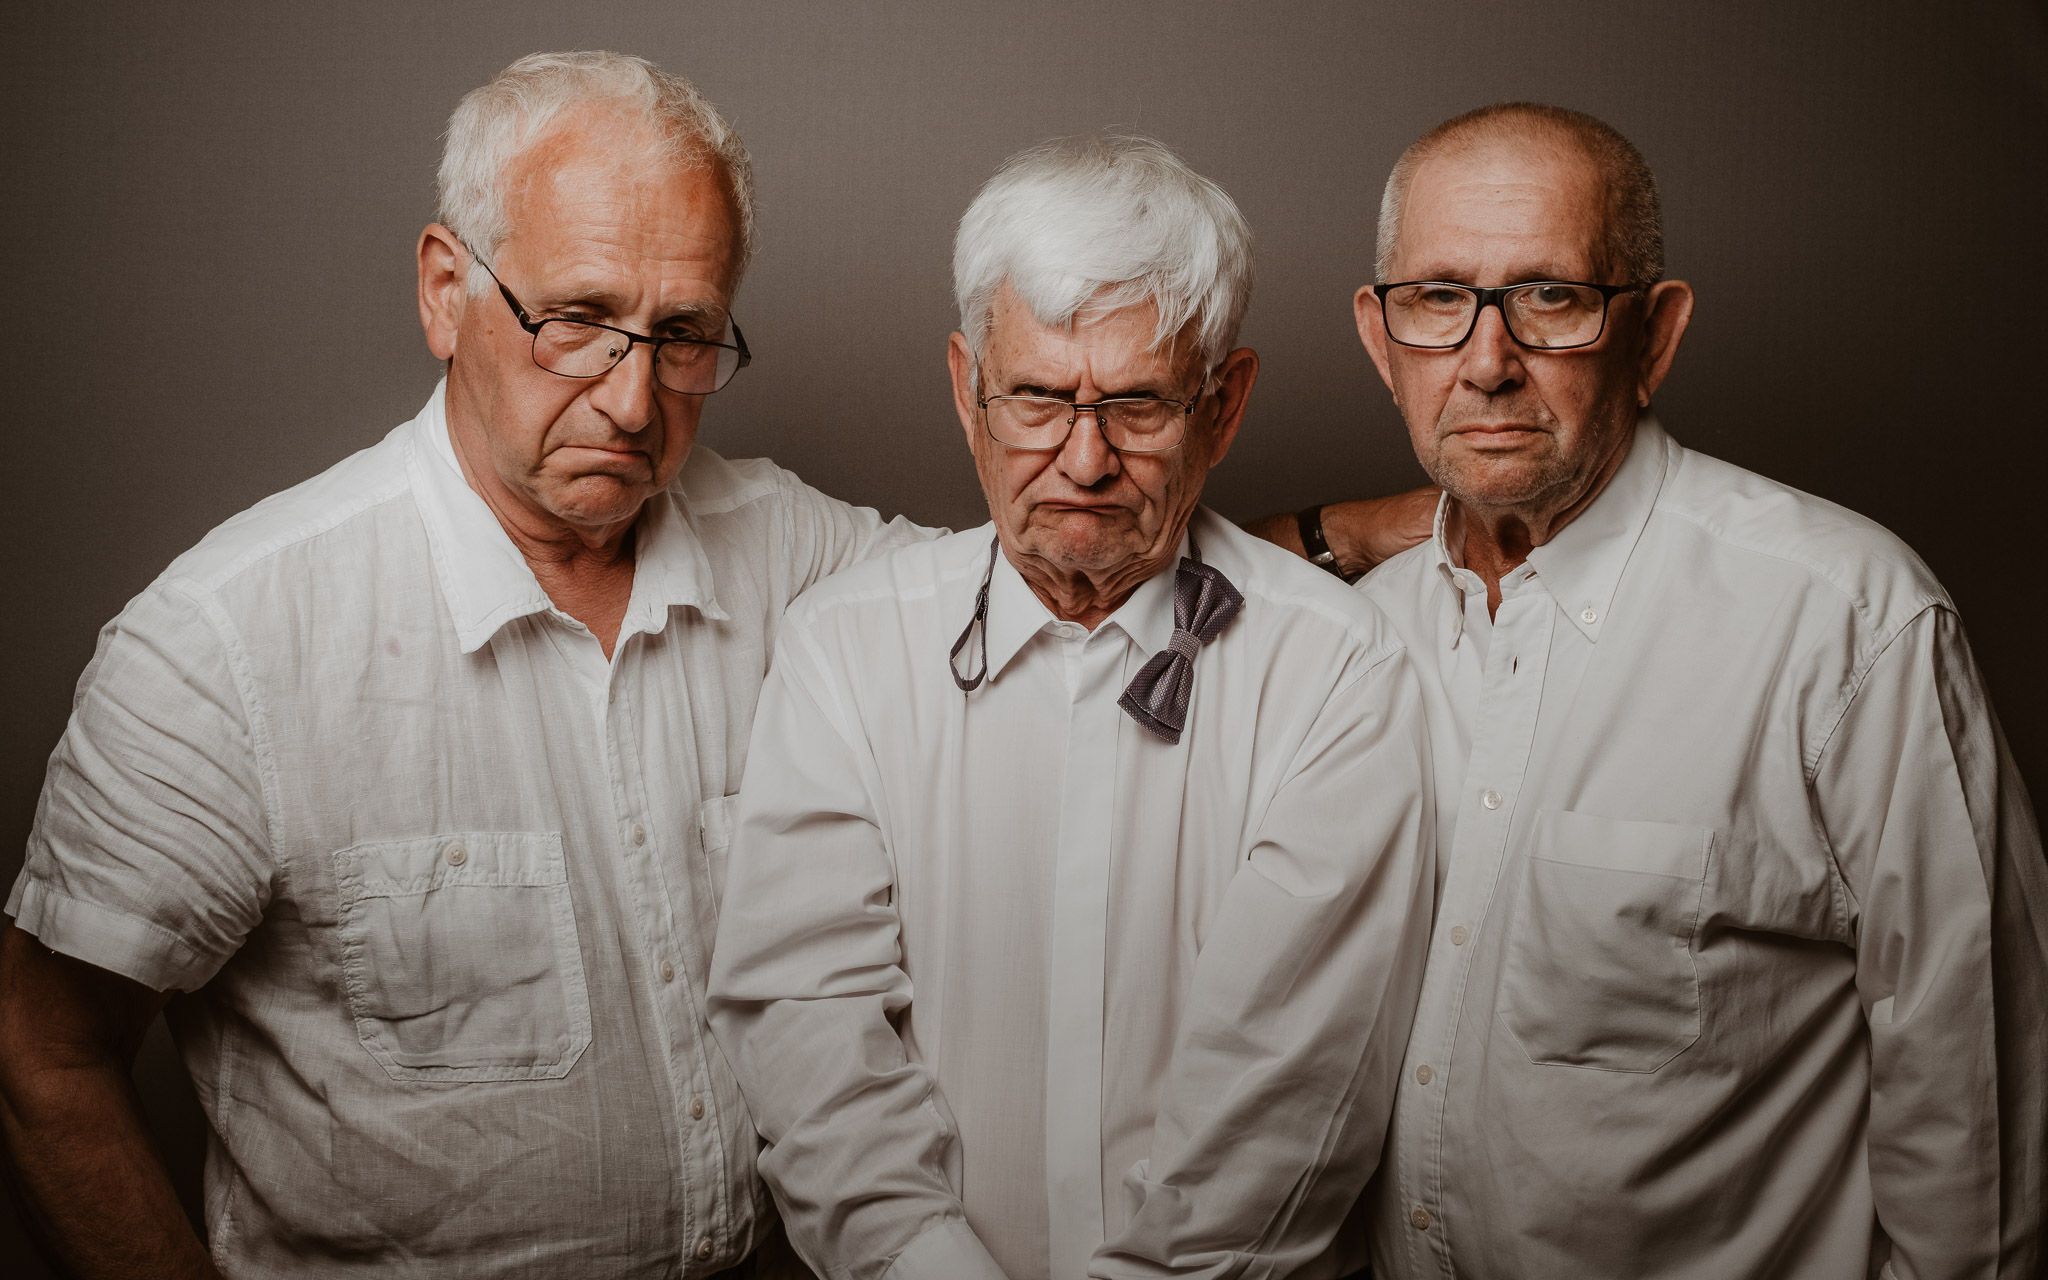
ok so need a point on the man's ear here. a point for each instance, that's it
(1667, 308)
(1372, 331)
(443, 292)
(960, 361)
(1234, 379)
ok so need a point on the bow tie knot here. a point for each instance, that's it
(1204, 602)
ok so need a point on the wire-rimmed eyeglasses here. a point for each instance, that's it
(1130, 424)
(586, 349)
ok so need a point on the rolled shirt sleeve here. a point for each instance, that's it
(1934, 836)
(150, 851)
(805, 980)
(1272, 1117)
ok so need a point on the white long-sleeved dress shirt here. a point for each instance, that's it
(441, 876)
(1003, 974)
(1740, 965)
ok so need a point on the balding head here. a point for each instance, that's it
(1632, 237)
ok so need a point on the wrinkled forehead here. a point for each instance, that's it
(1108, 341)
(1510, 205)
(597, 185)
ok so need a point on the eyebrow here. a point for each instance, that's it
(606, 303)
(1033, 389)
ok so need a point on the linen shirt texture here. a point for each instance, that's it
(1009, 980)
(440, 879)
(1741, 943)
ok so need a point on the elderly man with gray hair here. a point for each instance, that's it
(1082, 869)
(414, 778)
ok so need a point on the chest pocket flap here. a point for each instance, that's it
(459, 956)
(1599, 970)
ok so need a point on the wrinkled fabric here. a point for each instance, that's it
(440, 878)
(1010, 981)
(1741, 944)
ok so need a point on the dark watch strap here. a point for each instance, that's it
(1310, 522)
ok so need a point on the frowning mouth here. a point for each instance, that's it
(1492, 433)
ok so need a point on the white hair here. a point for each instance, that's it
(497, 121)
(1102, 223)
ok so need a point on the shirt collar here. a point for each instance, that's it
(1582, 565)
(1015, 613)
(487, 583)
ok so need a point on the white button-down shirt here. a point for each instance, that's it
(1741, 942)
(1003, 974)
(442, 877)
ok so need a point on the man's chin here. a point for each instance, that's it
(1493, 475)
(597, 501)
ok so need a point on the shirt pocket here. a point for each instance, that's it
(1599, 969)
(459, 956)
(714, 836)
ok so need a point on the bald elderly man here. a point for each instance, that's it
(1740, 962)
(1081, 879)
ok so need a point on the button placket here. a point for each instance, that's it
(1505, 722)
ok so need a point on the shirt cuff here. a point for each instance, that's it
(119, 943)
(949, 1251)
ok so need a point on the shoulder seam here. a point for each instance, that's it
(306, 531)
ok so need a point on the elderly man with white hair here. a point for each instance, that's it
(415, 777)
(1082, 871)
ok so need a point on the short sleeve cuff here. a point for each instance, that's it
(111, 940)
(949, 1251)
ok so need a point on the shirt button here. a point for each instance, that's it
(457, 855)
(668, 972)
(705, 1248)
(1423, 1075)
(1420, 1218)
(1491, 799)
(1590, 616)
(1459, 935)
(696, 1108)
(639, 834)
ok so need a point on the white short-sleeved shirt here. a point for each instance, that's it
(1740, 965)
(441, 878)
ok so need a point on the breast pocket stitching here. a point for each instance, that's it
(1599, 970)
(459, 956)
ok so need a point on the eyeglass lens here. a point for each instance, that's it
(579, 350)
(1131, 426)
(1543, 314)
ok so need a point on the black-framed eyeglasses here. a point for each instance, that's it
(1543, 315)
(1130, 424)
(587, 349)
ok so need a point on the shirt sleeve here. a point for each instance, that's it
(1276, 1103)
(1942, 859)
(807, 976)
(827, 535)
(150, 851)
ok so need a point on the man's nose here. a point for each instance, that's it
(1086, 457)
(1491, 359)
(625, 393)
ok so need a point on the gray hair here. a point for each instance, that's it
(1634, 235)
(1102, 223)
(497, 121)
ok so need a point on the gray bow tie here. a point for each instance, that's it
(1204, 602)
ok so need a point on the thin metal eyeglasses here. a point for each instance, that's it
(587, 349)
(1129, 424)
(1543, 315)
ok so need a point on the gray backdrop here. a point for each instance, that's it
(212, 211)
